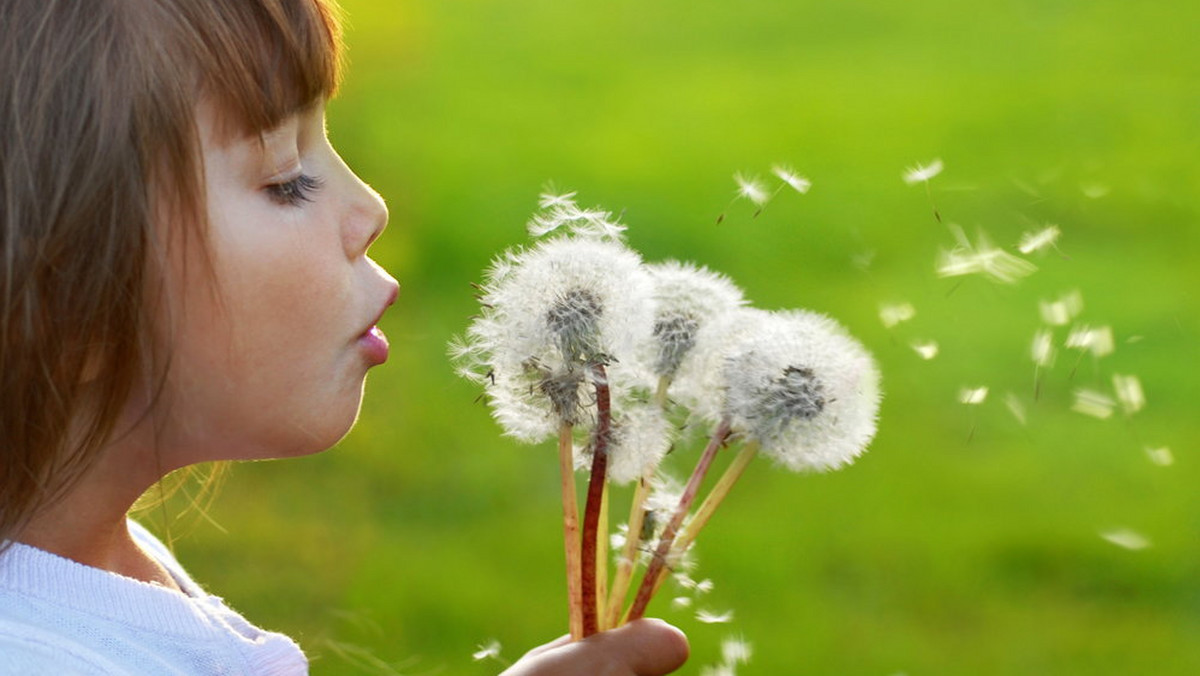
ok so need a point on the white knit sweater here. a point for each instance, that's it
(63, 618)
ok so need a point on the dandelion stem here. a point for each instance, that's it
(595, 503)
(628, 561)
(718, 493)
(659, 563)
(566, 465)
(602, 563)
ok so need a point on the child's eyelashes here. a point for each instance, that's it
(295, 191)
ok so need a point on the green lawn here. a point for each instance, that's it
(963, 542)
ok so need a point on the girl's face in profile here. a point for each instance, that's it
(271, 337)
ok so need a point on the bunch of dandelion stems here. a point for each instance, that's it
(593, 608)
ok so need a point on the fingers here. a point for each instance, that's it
(640, 648)
(645, 647)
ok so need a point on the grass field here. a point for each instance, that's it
(963, 542)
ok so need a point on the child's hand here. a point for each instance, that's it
(640, 648)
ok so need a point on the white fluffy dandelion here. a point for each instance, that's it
(800, 386)
(688, 301)
(641, 436)
(548, 313)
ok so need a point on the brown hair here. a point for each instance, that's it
(98, 139)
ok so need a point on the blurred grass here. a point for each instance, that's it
(963, 542)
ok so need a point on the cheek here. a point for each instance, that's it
(265, 365)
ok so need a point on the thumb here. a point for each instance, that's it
(646, 647)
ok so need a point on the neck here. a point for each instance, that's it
(88, 523)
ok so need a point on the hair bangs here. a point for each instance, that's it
(266, 60)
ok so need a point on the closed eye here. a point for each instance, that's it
(295, 191)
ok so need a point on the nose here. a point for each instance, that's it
(366, 218)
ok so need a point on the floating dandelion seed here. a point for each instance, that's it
(489, 650)
(1061, 311)
(1042, 348)
(560, 210)
(711, 617)
(1039, 240)
(751, 188)
(1015, 407)
(1160, 456)
(1098, 341)
(1129, 393)
(895, 313)
(736, 650)
(797, 182)
(922, 173)
(1094, 190)
(926, 349)
(1126, 538)
(681, 602)
(1093, 403)
(972, 396)
(982, 259)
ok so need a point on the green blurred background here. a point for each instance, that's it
(963, 542)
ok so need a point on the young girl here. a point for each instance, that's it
(184, 280)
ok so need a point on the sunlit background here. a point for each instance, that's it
(966, 541)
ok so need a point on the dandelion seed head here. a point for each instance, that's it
(548, 313)
(972, 396)
(1093, 403)
(800, 386)
(1039, 240)
(688, 298)
(1126, 538)
(926, 349)
(891, 314)
(641, 436)
(1160, 455)
(922, 173)
(751, 188)
(797, 182)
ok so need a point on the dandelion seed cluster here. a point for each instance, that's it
(578, 337)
